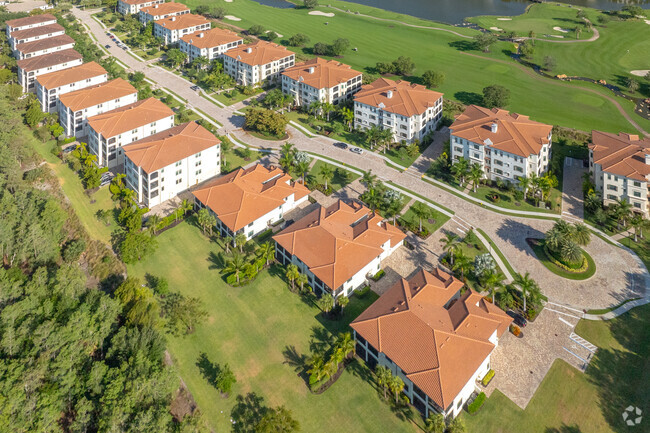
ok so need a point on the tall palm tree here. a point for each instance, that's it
(526, 285)
(493, 281)
(623, 211)
(421, 211)
(369, 179)
(476, 175)
(524, 184)
(385, 137)
(451, 245)
(383, 377)
(287, 149)
(459, 170)
(315, 108)
(373, 197)
(348, 117)
(326, 173)
(372, 135)
(637, 222)
(327, 108)
(227, 241)
(266, 252)
(462, 263)
(301, 169)
(581, 234)
(302, 280)
(344, 345)
(153, 222)
(240, 241)
(292, 275)
(235, 265)
(396, 385)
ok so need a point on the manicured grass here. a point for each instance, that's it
(235, 160)
(607, 310)
(239, 96)
(641, 247)
(438, 219)
(437, 50)
(546, 261)
(318, 126)
(254, 328)
(541, 18)
(421, 197)
(508, 201)
(337, 182)
(496, 250)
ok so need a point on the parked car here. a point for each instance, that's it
(340, 145)
(68, 149)
(105, 182)
(518, 318)
(356, 150)
(288, 223)
(124, 47)
(195, 88)
(107, 45)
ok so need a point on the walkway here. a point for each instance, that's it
(572, 196)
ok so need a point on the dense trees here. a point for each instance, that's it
(335, 49)
(266, 122)
(495, 96)
(433, 79)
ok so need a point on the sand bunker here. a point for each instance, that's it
(232, 18)
(557, 36)
(321, 13)
(504, 19)
(228, 1)
(279, 35)
(560, 29)
(496, 29)
(647, 21)
(640, 72)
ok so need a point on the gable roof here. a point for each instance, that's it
(438, 337)
(172, 145)
(31, 20)
(91, 96)
(261, 53)
(622, 154)
(71, 75)
(44, 44)
(135, 2)
(37, 31)
(182, 21)
(211, 38)
(338, 241)
(515, 134)
(406, 99)
(129, 117)
(245, 195)
(164, 9)
(326, 73)
(40, 62)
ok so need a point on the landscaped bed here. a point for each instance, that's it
(581, 272)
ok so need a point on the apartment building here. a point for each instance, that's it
(620, 166)
(126, 7)
(506, 145)
(110, 131)
(30, 22)
(35, 34)
(251, 64)
(321, 80)
(42, 47)
(211, 44)
(49, 87)
(161, 166)
(173, 28)
(409, 110)
(76, 107)
(29, 69)
(161, 11)
(338, 247)
(434, 337)
(250, 200)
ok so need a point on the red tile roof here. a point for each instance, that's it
(40, 62)
(400, 97)
(37, 31)
(91, 96)
(325, 73)
(129, 117)
(164, 9)
(211, 38)
(182, 21)
(31, 20)
(622, 154)
(71, 75)
(261, 53)
(44, 44)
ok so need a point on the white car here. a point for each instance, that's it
(356, 150)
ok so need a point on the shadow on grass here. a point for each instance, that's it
(209, 370)
(564, 429)
(464, 45)
(469, 98)
(247, 413)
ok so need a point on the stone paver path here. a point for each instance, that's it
(572, 196)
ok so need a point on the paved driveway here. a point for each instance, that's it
(572, 196)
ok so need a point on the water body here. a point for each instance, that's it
(454, 11)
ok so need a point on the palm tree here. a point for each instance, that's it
(267, 252)
(493, 281)
(554, 239)
(344, 345)
(459, 170)
(302, 168)
(292, 275)
(385, 137)
(581, 234)
(327, 108)
(302, 280)
(637, 222)
(623, 211)
(372, 135)
(435, 423)
(240, 241)
(326, 302)
(396, 385)
(524, 184)
(369, 179)
(526, 285)
(451, 245)
(315, 108)
(287, 149)
(383, 377)
(476, 175)
(153, 222)
(421, 211)
(348, 117)
(235, 265)
(343, 301)
(226, 242)
(571, 251)
(183, 208)
(462, 263)
(326, 173)
(317, 367)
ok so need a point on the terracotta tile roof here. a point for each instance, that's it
(261, 53)
(245, 195)
(129, 117)
(71, 75)
(40, 62)
(31, 20)
(182, 21)
(211, 38)
(438, 337)
(325, 73)
(164, 9)
(170, 146)
(43, 44)
(135, 2)
(406, 99)
(622, 154)
(338, 241)
(515, 134)
(37, 31)
(91, 96)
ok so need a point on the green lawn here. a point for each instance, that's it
(337, 181)
(235, 160)
(438, 219)
(508, 201)
(546, 261)
(238, 97)
(466, 74)
(252, 328)
(541, 18)
(641, 247)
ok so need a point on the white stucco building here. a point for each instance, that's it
(35, 34)
(321, 80)
(110, 131)
(76, 107)
(126, 7)
(29, 22)
(161, 11)
(251, 64)
(173, 28)
(49, 87)
(409, 110)
(210, 44)
(165, 164)
(42, 47)
(30, 69)
(506, 145)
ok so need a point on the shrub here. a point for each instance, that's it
(73, 250)
(378, 275)
(488, 378)
(362, 291)
(569, 267)
(477, 403)
(515, 330)
(494, 197)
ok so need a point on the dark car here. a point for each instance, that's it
(518, 318)
(124, 47)
(341, 145)
(195, 88)
(107, 45)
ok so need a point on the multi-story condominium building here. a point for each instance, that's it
(409, 110)
(28, 23)
(320, 80)
(433, 337)
(42, 47)
(338, 247)
(506, 145)
(620, 165)
(250, 200)
(109, 131)
(76, 107)
(251, 64)
(126, 7)
(49, 87)
(161, 166)
(29, 69)
(210, 44)
(173, 28)
(35, 34)
(161, 11)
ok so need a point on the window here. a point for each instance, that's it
(612, 187)
(637, 205)
(178, 172)
(637, 194)
(179, 181)
(611, 197)
(198, 172)
(635, 183)
(197, 163)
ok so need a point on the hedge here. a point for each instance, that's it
(559, 264)
(488, 378)
(378, 275)
(477, 403)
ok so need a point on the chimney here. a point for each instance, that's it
(155, 6)
(249, 50)
(311, 69)
(647, 156)
(494, 128)
(389, 94)
(173, 18)
(202, 34)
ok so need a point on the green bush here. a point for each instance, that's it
(362, 291)
(569, 267)
(477, 403)
(378, 275)
(488, 378)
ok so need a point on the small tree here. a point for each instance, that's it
(311, 4)
(256, 30)
(299, 40)
(435, 423)
(632, 85)
(433, 79)
(339, 47)
(326, 302)
(396, 385)
(495, 96)
(549, 63)
(292, 274)
(421, 211)
(483, 41)
(383, 377)
(326, 173)
(404, 65)
(225, 379)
